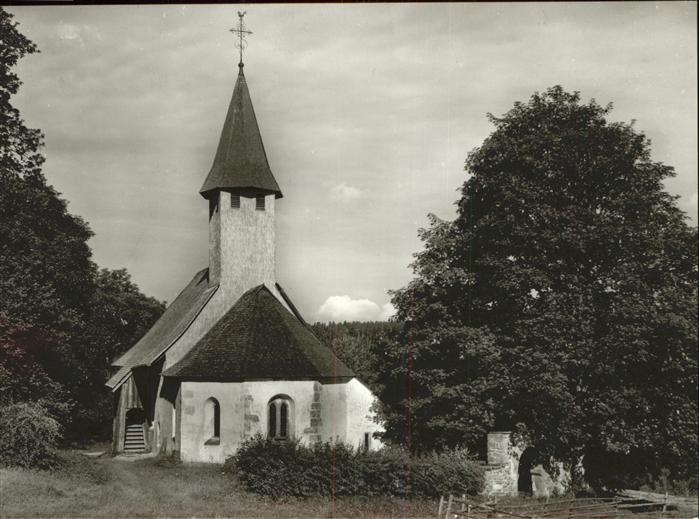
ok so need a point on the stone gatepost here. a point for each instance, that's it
(499, 447)
(501, 472)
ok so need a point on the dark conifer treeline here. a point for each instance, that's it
(353, 343)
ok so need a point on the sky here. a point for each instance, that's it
(367, 112)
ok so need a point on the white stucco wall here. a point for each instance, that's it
(243, 414)
(361, 418)
(344, 414)
(333, 412)
(300, 392)
(247, 245)
(347, 414)
(162, 425)
(194, 431)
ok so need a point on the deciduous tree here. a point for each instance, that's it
(120, 315)
(46, 270)
(46, 274)
(560, 303)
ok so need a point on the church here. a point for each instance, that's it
(231, 357)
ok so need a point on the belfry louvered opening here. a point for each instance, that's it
(260, 203)
(235, 201)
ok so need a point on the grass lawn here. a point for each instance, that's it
(108, 487)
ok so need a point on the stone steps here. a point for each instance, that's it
(134, 441)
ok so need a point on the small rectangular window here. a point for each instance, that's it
(260, 203)
(367, 441)
(235, 201)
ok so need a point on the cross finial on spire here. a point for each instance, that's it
(241, 30)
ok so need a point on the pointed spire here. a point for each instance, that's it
(241, 163)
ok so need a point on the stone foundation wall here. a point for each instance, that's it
(313, 430)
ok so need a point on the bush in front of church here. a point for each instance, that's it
(29, 437)
(452, 471)
(286, 469)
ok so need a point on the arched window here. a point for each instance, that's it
(280, 417)
(212, 421)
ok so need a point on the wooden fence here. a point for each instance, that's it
(588, 508)
(688, 504)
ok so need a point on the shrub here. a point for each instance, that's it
(281, 469)
(29, 436)
(451, 471)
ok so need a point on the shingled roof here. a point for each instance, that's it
(240, 162)
(259, 339)
(174, 321)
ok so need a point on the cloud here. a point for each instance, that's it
(689, 203)
(346, 193)
(77, 33)
(387, 311)
(344, 308)
(67, 31)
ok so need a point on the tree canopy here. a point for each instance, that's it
(45, 264)
(560, 302)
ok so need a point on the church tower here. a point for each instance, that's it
(241, 192)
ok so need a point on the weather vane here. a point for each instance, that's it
(241, 44)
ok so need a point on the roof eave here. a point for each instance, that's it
(206, 192)
(155, 358)
(339, 379)
(207, 294)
